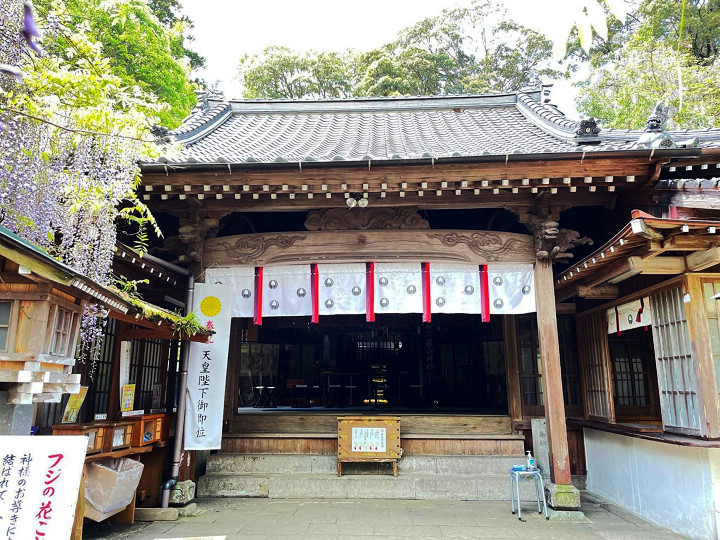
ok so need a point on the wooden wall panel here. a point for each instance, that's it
(410, 424)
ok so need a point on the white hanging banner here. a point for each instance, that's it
(39, 484)
(341, 289)
(455, 288)
(512, 290)
(242, 281)
(635, 314)
(286, 291)
(207, 368)
(398, 288)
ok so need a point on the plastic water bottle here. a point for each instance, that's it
(530, 460)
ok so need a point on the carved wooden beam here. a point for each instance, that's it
(475, 247)
(342, 219)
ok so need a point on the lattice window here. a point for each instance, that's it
(62, 332)
(676, 368)
(712, 305)
(593, 347)
(154, 360)
(5, 310)
(531, 367)
(98, 396)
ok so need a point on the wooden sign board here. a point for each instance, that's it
(369, 438)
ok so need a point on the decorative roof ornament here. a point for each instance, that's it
(656, 136)
(587, 131)
(202, 104)
(161, 134)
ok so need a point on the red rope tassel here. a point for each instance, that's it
(640, 311)
(425, 267)
(258, 295)
(315, 292)
(484, 293)
(617, 321)
(370, 292)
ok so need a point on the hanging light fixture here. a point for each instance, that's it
(356, 199)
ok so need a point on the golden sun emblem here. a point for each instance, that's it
(210, 306)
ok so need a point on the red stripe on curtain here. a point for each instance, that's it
(425, 267)
(315, 292)
(484, 293)
(258, 295)
(370, 292)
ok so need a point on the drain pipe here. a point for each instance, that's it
(182, 394)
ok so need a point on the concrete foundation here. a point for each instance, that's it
(182, 493)
(562, 497)
(674, 486)
(14, 419)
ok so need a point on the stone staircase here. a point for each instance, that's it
(305, 476)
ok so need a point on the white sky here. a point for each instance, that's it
(227, 29)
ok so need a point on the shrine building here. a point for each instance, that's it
(467, 264)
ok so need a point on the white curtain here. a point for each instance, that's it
(455, 288)
(286, 291)
(341, 289)
(512, 290)
(242, 281)
(627, 316)
(398, 288)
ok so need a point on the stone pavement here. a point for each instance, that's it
(250, 519)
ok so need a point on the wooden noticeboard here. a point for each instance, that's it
(369, 438)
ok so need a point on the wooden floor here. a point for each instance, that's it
(304, 432)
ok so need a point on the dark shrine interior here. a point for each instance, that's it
(397, 362)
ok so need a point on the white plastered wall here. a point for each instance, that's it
(677, 487)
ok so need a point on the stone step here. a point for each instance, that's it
(233, 485)
(326, 486)
(327, 464)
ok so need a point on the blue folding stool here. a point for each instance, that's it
(530, 474)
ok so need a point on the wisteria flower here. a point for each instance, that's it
(30, 30)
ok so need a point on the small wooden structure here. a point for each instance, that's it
(369, 438)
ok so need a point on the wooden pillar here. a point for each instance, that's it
(512, 367)
(551, 375)
(699, 330)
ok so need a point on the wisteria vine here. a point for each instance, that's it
(63, 186)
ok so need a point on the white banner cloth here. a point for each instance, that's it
(455, 288)
(512, 290)
(627, 316)
(286, 291)
(398, 288)
(207, 369)
(242, 281)
(39, 484)
(341, 289)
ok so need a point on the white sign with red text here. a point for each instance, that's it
(39, 484)
(207, 368)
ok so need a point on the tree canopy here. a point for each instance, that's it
(143, 48)
(647, 59)
(474, 49)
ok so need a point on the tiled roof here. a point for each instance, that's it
(384, 129)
